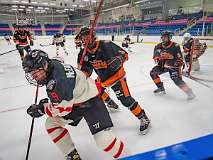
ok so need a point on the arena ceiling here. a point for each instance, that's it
(44, 6)
(56, 6)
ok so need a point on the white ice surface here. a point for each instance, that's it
(174, 119)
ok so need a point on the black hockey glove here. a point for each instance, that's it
(37, 110)
(18, 47)
(31, 43)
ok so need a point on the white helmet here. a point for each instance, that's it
(186, 37)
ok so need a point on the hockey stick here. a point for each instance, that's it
(45, 45)
(90, 32)
(8, 52)
(191, 57)
(31, 129)
(197, 80)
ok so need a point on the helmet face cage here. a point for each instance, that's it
(167, 33)
(36, 59)
(84, 31)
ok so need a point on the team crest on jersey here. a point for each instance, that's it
(51, 85)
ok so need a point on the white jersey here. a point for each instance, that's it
(66, 87)
(7, 37)
(58, 38)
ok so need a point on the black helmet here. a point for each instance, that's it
(84, 31)
(167, 33)
(36, 59)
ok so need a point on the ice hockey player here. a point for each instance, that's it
(103, 94)
(7, 38)
(168, 57)
(20, 38)
(72, 97)
(77, 41)
(59, 40)
(193, 49)
(107, 59)
(126, 42)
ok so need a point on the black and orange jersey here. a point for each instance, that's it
(194, 48)
(21, 37)
(188, 46)
(168, 56)
(98, 59)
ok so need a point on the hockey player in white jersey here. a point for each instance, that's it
(7, 38)
(59, 40)
(72, 97)
(126, 43)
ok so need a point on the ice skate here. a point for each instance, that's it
(190, 96)
(159, 91)
(112, 106)
(73, 155)
(144, 124)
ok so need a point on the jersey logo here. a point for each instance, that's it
(166, 55)
(99, 64)
(55, 96)
(51, 85)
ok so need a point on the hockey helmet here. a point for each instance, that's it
(187, 36)
(36, 59)
(167, 33)
(84, 31)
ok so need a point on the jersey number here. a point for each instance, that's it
(69, 70)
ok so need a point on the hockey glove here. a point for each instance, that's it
(31, 43)
(18, 47)
(37, 110)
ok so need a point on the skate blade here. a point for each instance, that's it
(191, 98)
(113, 110)
(160, 93)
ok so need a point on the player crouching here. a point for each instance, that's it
(73, 96)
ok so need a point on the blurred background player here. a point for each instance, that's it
(168, 57)
(103, 94)
(20, 38)
(7, 38)
(193, 49)
(73, 96)
(59, 40)
(107, 59)
(126, 42)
